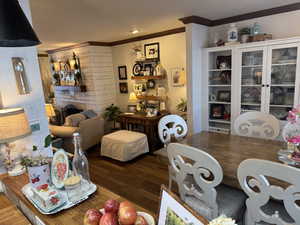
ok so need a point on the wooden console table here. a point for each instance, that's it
(148, 125)
(74, 215)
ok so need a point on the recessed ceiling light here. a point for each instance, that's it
(135, 31)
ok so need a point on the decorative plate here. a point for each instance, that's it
(59, 168)
(150, 84)
(137, 68)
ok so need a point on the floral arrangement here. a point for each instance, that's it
(294, 115)
(38, 160)
(222, 220)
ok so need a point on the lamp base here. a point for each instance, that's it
(17, 170)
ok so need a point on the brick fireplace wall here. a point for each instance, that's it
(97, 71)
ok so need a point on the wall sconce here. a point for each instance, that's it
(56, 66)
(74, 62)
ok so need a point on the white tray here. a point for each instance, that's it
(26, 190)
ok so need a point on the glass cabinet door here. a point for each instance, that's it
(282, 81)
(251, 80)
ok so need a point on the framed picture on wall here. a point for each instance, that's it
(178, 77)
(152, 51)
(123, 87)
(173, 211)
(122, 72)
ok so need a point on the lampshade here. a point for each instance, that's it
(132, 97)
(49, 110)
(13, 125)
(15, 29)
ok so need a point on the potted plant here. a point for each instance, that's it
(112, 113)
(245, 34)
(38, 166)
(182, 105)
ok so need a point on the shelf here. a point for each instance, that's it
(252, 66)
(282, 106)
(251, 85)
(219, 121)
(283, 64)
(219, 85)
(225, 103)
(219, 70)
(248, 110)
(154, 98)
(81, 88)
(282, 85)
(147, 77)
(252, 104)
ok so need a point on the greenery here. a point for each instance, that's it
(245, 30)
(112, 113)
(173, 219)
(40, 160)
(182, 105)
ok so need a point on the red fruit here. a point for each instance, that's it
(92, 217)
(140, 220)
(111, 206)
(127, 214)
(109, 219)
(126, 204)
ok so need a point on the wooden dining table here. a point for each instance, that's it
(231, 150)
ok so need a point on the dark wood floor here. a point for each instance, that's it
(138, 181)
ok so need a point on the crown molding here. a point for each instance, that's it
(247, 16)
(114, 43)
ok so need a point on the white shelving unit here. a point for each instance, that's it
(264, 76)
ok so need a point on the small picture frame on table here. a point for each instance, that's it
(217, 111)
(172, 208)
(152, 51)
(148, 70)
(123, 87)
(122, 72)
(224, 96)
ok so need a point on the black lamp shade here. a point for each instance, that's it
(15, 29)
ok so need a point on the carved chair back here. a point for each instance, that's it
(257, 124)
(254, 177)
(171, 126)
(196, 173)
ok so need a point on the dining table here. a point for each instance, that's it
(230, 150)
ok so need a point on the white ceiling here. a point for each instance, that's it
(63, 22)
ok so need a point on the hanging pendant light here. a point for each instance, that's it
(15, 29)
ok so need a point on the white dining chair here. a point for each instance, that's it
(257, 124)
(254, 177)
(171, 126)
(198, 176)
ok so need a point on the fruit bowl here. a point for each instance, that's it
(150, 220)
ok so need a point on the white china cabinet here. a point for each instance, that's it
(261, 76)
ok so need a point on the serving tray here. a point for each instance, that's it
(26, 190)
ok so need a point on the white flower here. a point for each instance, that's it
(222, 220)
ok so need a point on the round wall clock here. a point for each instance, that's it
(137, 68)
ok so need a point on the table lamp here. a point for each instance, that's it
(13, 126)
(49, 111)
(132, 99)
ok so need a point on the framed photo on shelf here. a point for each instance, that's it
(224, 96)
(123, 87)
(152, 51)
(173, 211)
(137, 68)
(122, 72)
(148, 70)
(217, 111)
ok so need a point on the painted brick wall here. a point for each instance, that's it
(97, 71)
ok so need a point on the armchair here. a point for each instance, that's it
(91, 131)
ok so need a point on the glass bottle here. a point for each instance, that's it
(80, 163)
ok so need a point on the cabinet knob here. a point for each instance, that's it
(268, 85)
(262, 85)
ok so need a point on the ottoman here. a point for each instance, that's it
(124, 145)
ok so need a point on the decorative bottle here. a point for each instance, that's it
(80, 162)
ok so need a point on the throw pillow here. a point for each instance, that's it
(89, 113)
(74, 120)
